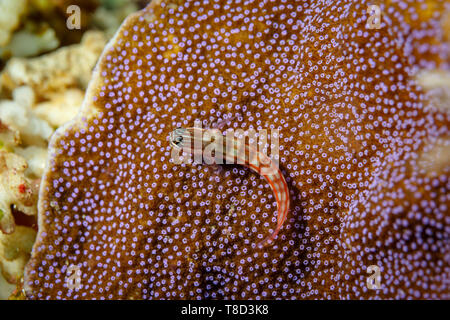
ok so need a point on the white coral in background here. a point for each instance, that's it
(25, 43)
(8, 138)
(15, 251)
(67, 67)
(36, 158)
(15, 190)
(61, 107)
(10, 12)
(6, 288)
(18, 115)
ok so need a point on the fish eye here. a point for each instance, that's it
(176, 137)
(178, 140)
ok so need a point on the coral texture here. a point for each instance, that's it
(46, 91)
(68, 67)
(10, 12)
(15, 251)
(355, 131)
(17, 190)
(18, 115)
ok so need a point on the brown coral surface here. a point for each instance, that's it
(354, 126)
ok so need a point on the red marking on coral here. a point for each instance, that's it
(22, 188)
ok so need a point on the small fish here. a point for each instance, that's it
(228, 149)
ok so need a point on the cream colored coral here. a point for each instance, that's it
(430, 79)
(10, 12)
(6, 288)
(437, 84)
(21, 192)
(36, 157)
(14, 252)
(61, 107)
(18, 114)
(9, 138)
(15, 189)
(25, 43)
(68, 67)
